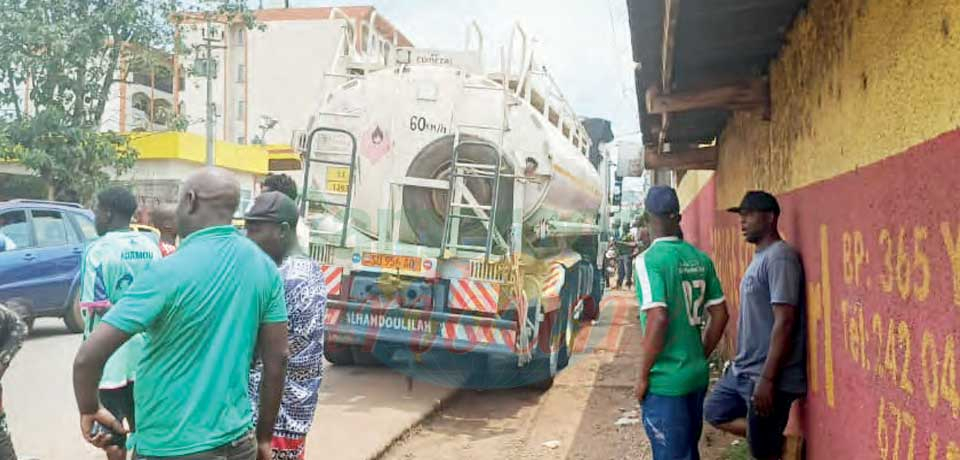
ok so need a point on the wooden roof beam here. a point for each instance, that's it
(670, 10)
(692, 158)
(744, 95)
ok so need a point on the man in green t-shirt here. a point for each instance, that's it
(204, 310)
(676, 283)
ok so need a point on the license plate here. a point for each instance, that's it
(337, 187)
(391, 262)
(337, 179)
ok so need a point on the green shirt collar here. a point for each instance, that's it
(218, 230)
(667, 239)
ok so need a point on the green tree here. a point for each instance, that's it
(61, 59)
(71, 159)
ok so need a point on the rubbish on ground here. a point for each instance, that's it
(551, 444)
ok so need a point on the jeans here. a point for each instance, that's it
(244, 448)
(731, 399)
(673, 425)
(625, 270)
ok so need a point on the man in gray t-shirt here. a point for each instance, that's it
(754, 396)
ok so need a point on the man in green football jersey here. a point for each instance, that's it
(676, 285)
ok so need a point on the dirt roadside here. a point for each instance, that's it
(578, 414)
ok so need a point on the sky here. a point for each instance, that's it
(585, 44)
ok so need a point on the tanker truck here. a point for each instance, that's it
(453, 210)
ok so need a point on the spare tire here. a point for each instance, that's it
(425, 209)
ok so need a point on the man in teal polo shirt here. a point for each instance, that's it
(202, 311)
(677, 287)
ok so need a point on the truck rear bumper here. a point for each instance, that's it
(352, 323)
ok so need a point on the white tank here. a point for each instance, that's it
(406, 118)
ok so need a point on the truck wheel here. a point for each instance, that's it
(546, 364)
(72, 317)
(567, 339)
(338, 354)
(591, 304)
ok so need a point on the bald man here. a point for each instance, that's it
(204, 308)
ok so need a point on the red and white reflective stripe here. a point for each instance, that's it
(331, 278)
(554, 282)
(332, 316)
(479, 334)
(470, 295)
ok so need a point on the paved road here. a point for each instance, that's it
(362, 410)
(576, 417)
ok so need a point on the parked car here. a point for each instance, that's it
(40, 262)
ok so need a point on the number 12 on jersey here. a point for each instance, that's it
(693, 294)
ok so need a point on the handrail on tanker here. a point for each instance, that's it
(337, 13)
(474, 27)
(523, 57)
(306, 177)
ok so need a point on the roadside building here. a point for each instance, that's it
(279, 75)
(167, 157)
(847, 111)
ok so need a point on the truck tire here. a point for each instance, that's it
(546, 364)
(71, 315)
(567, 339)
(338, 354)
(591, 304)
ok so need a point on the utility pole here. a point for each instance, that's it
(209, 37)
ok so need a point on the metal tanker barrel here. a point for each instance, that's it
(409, 119)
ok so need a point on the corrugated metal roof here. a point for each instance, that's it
(716, 42)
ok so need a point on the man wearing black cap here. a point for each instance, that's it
(676, 287)
(754, 396)
(270, 223)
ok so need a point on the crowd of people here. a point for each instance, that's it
(683, 314)
(208, 345)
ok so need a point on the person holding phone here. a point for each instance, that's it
(208, 310)
(110, 264)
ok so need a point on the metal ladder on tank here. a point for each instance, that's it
(460, 198)
(378, 48)
(351, 166)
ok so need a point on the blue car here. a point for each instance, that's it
(41, 246)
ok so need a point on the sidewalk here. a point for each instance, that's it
(363, 410)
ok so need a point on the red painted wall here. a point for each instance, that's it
(881, 253)
(698, 217)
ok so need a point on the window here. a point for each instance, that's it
(238, 37)
(241, 140)
(241, 73)
(50, 228)
(241, 109)
(246, 201)
(13, 226)
(141, 102)
(87, 229)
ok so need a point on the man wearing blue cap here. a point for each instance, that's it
(676, 286)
